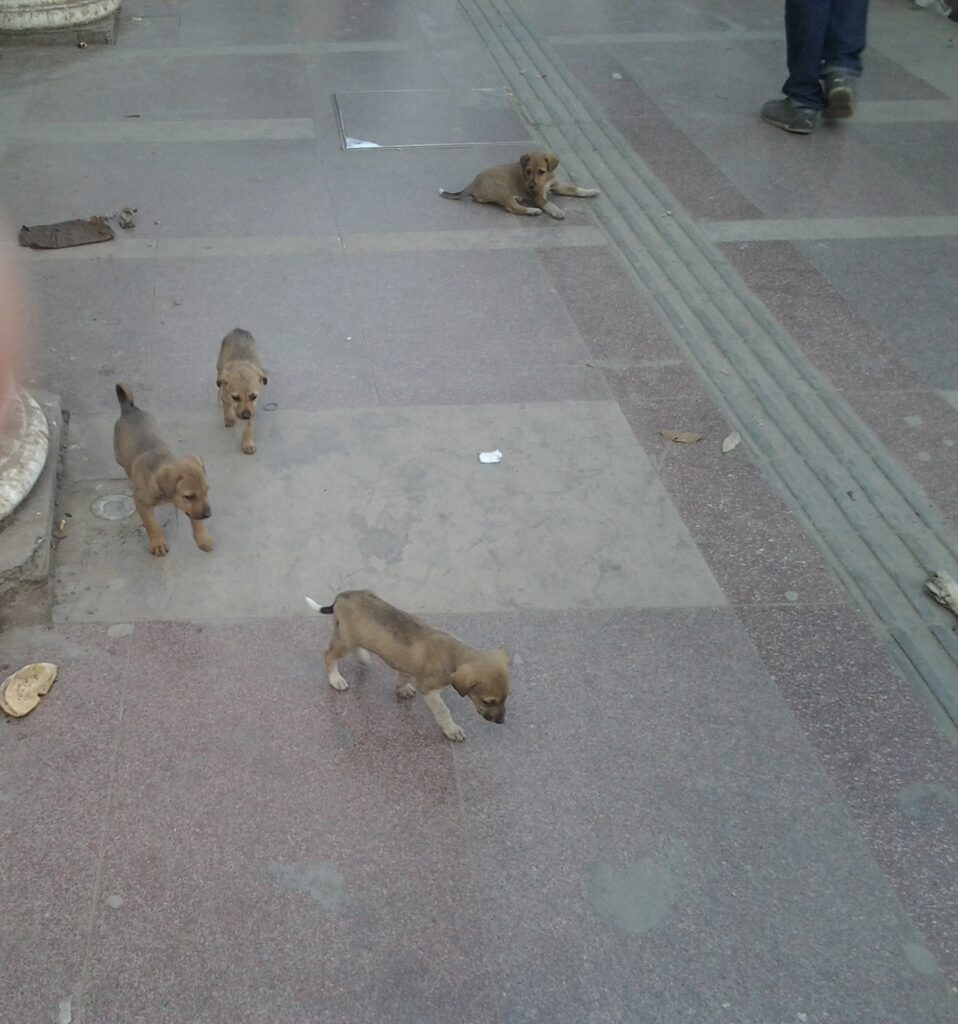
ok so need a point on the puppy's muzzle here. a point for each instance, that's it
(204, 514)
(497, 715)
(246, 415)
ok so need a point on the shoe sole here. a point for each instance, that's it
(794, 129)
(841, 102)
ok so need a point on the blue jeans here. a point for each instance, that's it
(822, 35)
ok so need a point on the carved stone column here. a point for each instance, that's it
(37, 15)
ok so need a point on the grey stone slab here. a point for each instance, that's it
(235, 188)
(372, 70)
(429, 117)
(157, 30)
(868, 274)
(92, 319)
(503, 312)
(365, 22)
(674, 850)
(224, 22)
(395, 500)
(240, 86)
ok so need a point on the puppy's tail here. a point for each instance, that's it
(327, 610)
(452, 195)
(124, 394)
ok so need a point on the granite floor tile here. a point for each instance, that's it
(678, 818)
(57, 769)
(259, 847)
(868, 274)
(248, 22)
(894, 767)
(752, 541)
(840, 339)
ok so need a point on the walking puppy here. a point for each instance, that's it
(239, 376)
(158, 478)
(532, 178)
(425, 659)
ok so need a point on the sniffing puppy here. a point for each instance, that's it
(425, 659)
(239, 377)
(158, 478)
(532, 178)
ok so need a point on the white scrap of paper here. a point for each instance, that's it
(487, 457)
(732, 441)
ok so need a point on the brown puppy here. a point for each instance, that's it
(421, 655)
(533, 178)
(157, 477)
(239, 376)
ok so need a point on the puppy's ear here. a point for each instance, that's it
(263, 379)
(198, 461)
(524, 160)
(552, 161)
(167, 478)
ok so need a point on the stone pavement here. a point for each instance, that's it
(727, 787)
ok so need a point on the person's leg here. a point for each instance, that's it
(806, 28)
(845, 37)
(806, 22)
(842, 55)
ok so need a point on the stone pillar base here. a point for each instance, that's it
(42, 22)
(23, 452)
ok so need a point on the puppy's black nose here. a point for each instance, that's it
(245, 414)
(205, 514)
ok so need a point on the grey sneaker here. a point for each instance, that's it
(789, 115)
(839, 94)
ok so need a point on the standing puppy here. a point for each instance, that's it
(425, 659)
(239, 376)
(157, 477)
(532, 178)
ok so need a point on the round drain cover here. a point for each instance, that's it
(113, 506)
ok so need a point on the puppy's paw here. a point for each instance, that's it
(555, 212)
(533, 211)
(248, 449)
(337, 682)
(406, 691)
(455, 733)
(229, 423)
(158, 548)
(589, 193)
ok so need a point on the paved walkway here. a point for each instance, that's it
(727, 787)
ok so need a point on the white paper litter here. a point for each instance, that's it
(732, 441)
(943, 589)
(360, 144)
(488, 457)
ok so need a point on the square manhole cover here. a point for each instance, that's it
(403, 118)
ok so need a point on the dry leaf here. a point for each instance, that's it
(681, 436)
(732, 441)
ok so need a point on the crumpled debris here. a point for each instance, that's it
(936, 6)
(732, 441)
(21, 692)
(126, 218)
(682, 436)
(66, 233)
(487, 458)
(943, 589)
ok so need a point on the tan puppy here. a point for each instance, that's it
(239, 376)
(533, 178)
(425, 659)
(157, 477)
